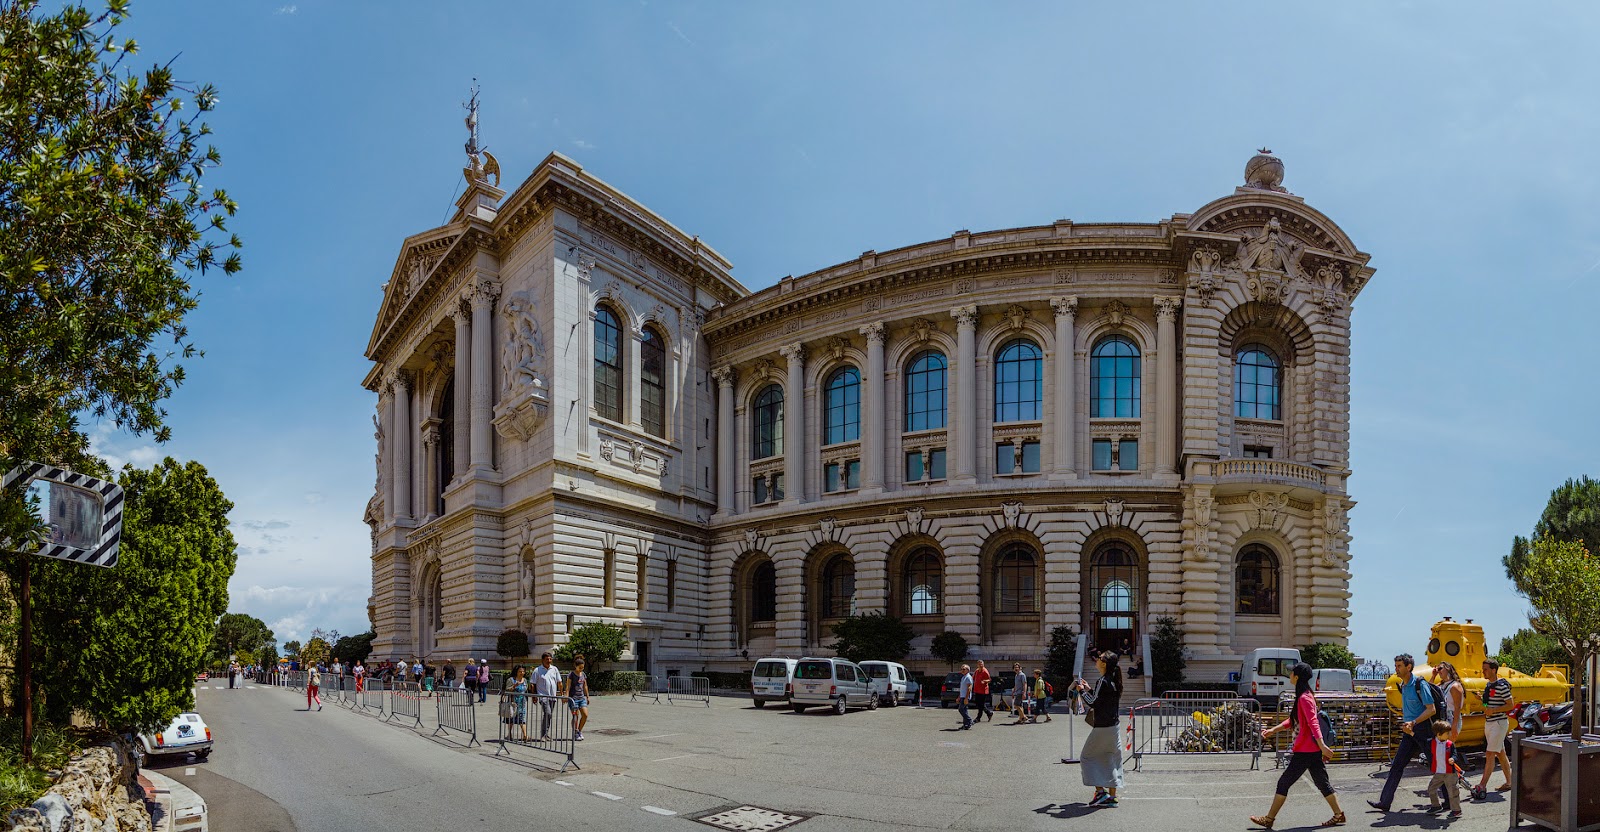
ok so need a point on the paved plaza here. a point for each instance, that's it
(647, 766)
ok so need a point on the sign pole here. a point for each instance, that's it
(1072, 718)
(25, 658)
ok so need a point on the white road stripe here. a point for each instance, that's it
(561, 783)
(188, 772)
(679, 757)
(607, 796)
(657, 810)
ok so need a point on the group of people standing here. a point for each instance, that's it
(548, 686)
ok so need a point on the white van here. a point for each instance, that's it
(1265, 673)
(831, 682)
(1332, 680)
(772, 680)
(888, 680)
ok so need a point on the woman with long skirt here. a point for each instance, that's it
(1101, 759)
(1309, 751)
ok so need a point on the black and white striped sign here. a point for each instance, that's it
(84, 514)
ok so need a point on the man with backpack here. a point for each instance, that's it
(1421, 702)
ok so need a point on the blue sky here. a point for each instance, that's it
(1455, 142)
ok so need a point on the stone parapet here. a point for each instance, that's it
(97, 790)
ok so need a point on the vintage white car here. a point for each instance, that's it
(187, 734)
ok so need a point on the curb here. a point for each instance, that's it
(178, 808)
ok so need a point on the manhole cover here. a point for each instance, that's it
(613, 732)
(751, 819)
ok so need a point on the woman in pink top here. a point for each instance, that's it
(1310, 751)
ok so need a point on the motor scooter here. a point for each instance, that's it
(1531, 718)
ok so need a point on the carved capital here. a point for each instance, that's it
(1167, 308)
(966, 317)
(724, 376)
(460, 311)
(793, 353)
(483, 293)
(401, 381)
(874, 332)
(1065, 307)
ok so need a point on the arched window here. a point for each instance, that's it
(1257, 384)
(607, 364)
(1114, 378)
(1256, 582)
(925, 391)
(922, 584)
(764, 593)
(842, 407)
(839, 588)
(768, 435)
(1015, 580)
(1018, 382)
(653, 383)
(1113, 598)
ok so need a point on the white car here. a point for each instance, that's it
(888, 681)
(187, 734)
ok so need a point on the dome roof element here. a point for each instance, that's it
(1264, 172)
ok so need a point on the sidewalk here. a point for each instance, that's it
(177, 808)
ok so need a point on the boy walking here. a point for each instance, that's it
(1441, 753)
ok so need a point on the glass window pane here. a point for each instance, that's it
(853, 474)
(1004, 458)
(1101, 457)
(1128, 455)
(830, 477)
(1030, 457)
(913, 466)
(936, 464)
(758, 490)
(777, 487)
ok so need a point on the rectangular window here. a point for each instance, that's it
(1257, 452)
(777, 487)
(1128, 455)
(705, 477)
(758, 490)
(1030, 457)
(914, 470)
(1005, 458)
(1101, 456)
(936, 464)
(852, 474)
(830, 477)
(841, 476)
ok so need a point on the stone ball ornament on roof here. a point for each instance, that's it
(1264, 171)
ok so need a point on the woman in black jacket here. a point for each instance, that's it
(1101, 759)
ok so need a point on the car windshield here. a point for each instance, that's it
(813, 670)
(877, 671)
(1274, 667)
(771, 670)
(952, 678)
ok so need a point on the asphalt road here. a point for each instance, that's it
(902, 768)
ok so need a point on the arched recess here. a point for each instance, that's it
(429, 620)
(1287, 337)
(1252, 629)
(1011, 587)
(830, 590)
(1115, 582)
(917, 583)
(755, 600)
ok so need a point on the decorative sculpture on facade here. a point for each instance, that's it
(1113, 512)
(522, 356)
(1264, 172)
(478, 170)
(1268, 505)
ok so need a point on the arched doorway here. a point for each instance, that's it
(1114, 595)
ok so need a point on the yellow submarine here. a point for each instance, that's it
(1461, 644)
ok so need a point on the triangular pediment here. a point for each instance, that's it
(419, 257)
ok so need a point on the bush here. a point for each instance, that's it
(1325, 654)
(618, 681)
(512, 644)
(596, 641)
(950, 646)
(1062, 654)
(1166, 656)
(876, 635)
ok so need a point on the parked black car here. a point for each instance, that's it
(950, 690)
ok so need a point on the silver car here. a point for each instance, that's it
(834, 683)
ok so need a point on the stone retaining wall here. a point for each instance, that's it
(96, 792)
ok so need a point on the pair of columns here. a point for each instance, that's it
(474, 324)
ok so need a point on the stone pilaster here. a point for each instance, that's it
(1065, 433)
(1202, 596)
(1167, 385)
(794, 424)
(460, 449)
(401, 440)
(965, 381)
(483, 296)
(873, 417)
(727, 435)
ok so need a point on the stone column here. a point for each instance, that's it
(483, 296)
(386, 445)
(794, 424)
(400, 440)
(462, 405)
(430, 474)
(726, 435)
(966, 383)
(1167, 392)
(872, 416)
(1065, 435)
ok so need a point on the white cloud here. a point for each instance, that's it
(582, 145)
(119, 449)
(287, 10)
(313, 497)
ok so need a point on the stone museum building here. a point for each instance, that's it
(582, 416)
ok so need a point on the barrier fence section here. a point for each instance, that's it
(1363, 726)
(405, 703)
(653, 688)
(537, 723)
(370, 697)
(457, 711)
(1196, 723)
(690, 688)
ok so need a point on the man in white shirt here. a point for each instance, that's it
(547, 684)
(964, 697)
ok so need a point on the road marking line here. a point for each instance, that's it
(607, 796)
(632, 739)
(657, 810)
(562, 783)
(188, 772)
(679, 757)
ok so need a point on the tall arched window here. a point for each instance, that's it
(1257, 384)
(607, 364)
(842, 407)
(653, 383)
(1113, 598)
(922, 584)
(925, 391)
(767, 439)
(1015, 580)
(1114, 378)
(1256, 582)
(839, 588)
(1018, 382)
(764, 593)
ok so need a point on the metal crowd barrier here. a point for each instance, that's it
(654, 688)
(1363, 726)
(457, 711)
(689, 687)
(537, 723)
(1216, 723)
(370, 696)
(405, 702)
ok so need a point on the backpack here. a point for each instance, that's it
(1325, 722)
(1441, 703)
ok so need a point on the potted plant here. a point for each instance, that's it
(1561, 581)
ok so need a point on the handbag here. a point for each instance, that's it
(508, 710)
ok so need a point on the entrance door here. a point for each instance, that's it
(1114, 599)
(641, 656)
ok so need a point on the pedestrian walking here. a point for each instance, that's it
(982, 698)
(547, 685)
(314, 687)
(1019, 693)
(1041, 695)
(483, 680)
(360, 672)
(1309, 751)
(1417, 708)
(1455, 693)
(963, 694)
(469, 677)
(1496, 705)
(518, 687)
(1101, 759)
(1443, 755)
(449, 675)
(577, 693)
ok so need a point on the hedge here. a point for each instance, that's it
(618, 681)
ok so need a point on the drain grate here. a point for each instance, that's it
(613, 732)
(751, 819)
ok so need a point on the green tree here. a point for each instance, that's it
(350, 649)
(292, 649)
(597, 642)
(269, 655)
(949, 646)
(1561, 580)
(152, 617)
(1526, 650)
(1167, 661)
(1572, 514)
(1062, 654)
(316, 650)
(512, 644)
(1325, 654)
(875, 635)
(239, 633)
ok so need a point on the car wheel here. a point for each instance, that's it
(894, 699)
(761, 703)
(872, 703)
(202, 756)
(943, 704)
(839, 705)
(799, 709)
